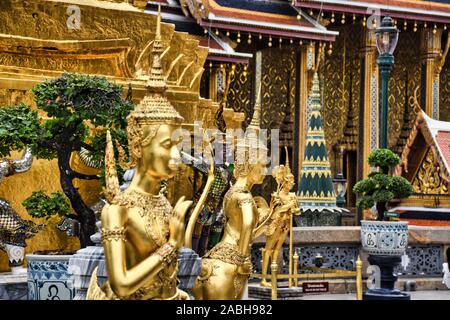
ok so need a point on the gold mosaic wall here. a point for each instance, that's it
(335, 83)
(240, 94)
(407, 59)
(444, 94)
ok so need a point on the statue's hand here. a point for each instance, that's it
(176, 224)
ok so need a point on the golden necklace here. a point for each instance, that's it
(156, 210)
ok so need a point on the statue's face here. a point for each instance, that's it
(259, 170)
(289, 182)
(161, 157)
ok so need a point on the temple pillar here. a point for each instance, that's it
(431, 55)
(368, 110)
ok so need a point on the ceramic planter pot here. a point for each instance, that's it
(48, 277)
(384, 238)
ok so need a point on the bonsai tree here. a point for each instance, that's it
(380, 187)
(75, 111)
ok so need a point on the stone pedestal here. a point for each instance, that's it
(387, 280)
(189, 268)
(13, 286)
(83, 263)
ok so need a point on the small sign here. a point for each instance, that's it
(394, 215)
(314, 287)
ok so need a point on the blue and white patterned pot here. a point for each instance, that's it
(48, 277)
(384, 238)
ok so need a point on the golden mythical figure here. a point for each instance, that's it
(227, 266)
(141, 233)
(284, 205)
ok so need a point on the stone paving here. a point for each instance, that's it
(415, 295)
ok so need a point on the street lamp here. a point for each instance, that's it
(339, 182)
(386, 40)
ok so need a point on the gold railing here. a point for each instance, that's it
(321, 274)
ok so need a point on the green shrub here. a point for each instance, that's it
(383, 158)
(40, 205)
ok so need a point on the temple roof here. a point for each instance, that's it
(276, 18)
(219, 50)
(421, 10)
(437, 136)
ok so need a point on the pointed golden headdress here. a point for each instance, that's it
(154, 107)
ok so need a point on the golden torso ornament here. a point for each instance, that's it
(146, 228)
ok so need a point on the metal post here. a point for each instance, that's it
(359, 288)
(290, 250)
(296, 268)
(274, 269)
(385, 63)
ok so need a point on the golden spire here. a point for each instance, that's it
(156, 81)
(154, 107)
(287, 159)
(256, 119)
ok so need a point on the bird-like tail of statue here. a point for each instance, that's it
(195, 213)
(112, 181)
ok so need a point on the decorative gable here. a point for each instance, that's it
(427, 179)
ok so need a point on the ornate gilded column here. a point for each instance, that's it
(431, 57)
(368, 111)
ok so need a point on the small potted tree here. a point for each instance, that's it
(384, 240)
(48, 277)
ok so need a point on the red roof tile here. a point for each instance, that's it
(443, 141)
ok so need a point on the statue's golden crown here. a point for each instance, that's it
(155, 108)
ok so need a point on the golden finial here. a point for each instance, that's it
(156, 81)
(154, 107)
(112, 187)
(287, 159)
(256, 119)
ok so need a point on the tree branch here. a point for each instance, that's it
(73, 216)
(78, 175)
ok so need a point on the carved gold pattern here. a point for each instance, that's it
(240, 92)
(155, 209)
(113, 234)
(406, 60)
(444, 103)
(335, 84)
(428, 177)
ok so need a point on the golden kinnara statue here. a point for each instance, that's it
(284, 205)
(141, 233)
(227, 266)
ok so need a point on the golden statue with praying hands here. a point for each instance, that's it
(141, 233)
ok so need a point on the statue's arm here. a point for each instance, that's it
(246, 204)
(126, 281)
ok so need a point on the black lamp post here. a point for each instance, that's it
(386, 40)
(339, 181)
